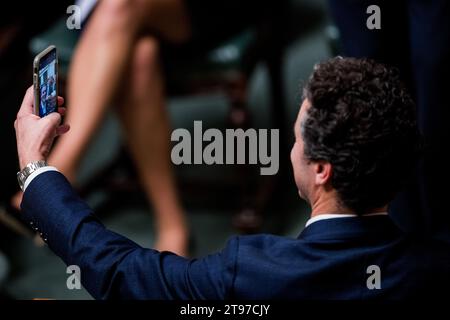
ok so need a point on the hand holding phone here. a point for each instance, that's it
(45, 82)
(35, 135)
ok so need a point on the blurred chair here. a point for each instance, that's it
(225, 69)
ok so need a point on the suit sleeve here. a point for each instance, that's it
(113, 266)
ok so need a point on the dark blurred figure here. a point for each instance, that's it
(415, 37)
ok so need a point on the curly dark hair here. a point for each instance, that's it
(363, 122)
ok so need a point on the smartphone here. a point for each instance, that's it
(45, 82)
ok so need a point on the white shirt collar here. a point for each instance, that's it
(340, 215)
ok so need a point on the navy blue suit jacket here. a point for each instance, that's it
(329, 260)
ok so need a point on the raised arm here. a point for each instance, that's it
(111, 265)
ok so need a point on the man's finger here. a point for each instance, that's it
(27, 103)
(62, 111)
(62, 129)
(60, 101)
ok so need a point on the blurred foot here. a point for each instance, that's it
(173, 239)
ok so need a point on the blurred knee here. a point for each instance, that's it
(118, 8)
(146, 55)
(120, 14)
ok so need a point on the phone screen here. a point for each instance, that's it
(48, 84)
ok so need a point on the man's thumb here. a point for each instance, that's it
(53, 119)
(51, 123)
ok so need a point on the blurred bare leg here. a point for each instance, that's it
(101, 58)
(144, 117)
(99, 63)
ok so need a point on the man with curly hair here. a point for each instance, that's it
(356, 138)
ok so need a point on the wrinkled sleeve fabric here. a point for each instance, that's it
(113, 266)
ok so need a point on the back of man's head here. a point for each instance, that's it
(363, 122)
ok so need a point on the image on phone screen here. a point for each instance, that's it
(47, 84)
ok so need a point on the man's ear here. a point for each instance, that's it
(323, 171)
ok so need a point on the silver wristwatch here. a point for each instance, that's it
(29, 169)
